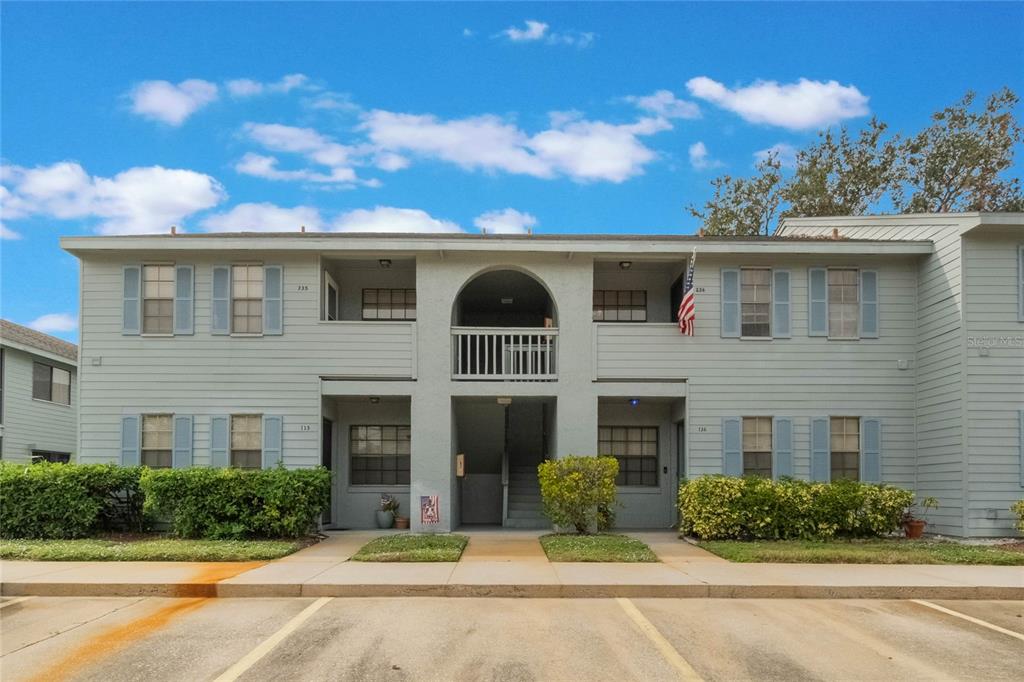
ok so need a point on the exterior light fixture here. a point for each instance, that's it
(374, 400)
(385, 262)
(625, 264)
(507, 301)
(633, 402)
(504, 401)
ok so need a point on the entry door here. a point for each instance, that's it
(327, 460)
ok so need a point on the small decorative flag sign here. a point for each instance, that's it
(430, 510)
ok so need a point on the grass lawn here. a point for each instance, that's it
(147, 549)
(413, 548)
(561, 547)
(864, 552)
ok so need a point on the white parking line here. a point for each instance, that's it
(971, 619)
(16, 600)
(267, 645)
(664, 647)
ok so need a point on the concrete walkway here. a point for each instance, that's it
(500, 563)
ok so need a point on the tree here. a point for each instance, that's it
(954, 164)
(842, 176)
(743, 206)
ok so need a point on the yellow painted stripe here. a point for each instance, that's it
(267, 645)
(665, 648)
(970, 619)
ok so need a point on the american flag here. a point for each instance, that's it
(688, 306)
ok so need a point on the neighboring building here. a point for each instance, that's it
(38, 406)
(385, 356)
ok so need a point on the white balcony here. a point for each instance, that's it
(504, 353)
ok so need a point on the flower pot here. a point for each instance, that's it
(401, 522)
(914, 529)
(385, 518)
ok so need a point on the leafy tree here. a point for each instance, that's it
(743, 206)
(840, 175)
(954, 164)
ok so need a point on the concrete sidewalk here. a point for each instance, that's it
(503, 563)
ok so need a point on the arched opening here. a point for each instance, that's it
(504, 329)
(504, 298)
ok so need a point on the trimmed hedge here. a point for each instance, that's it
(65, 501)
(579, 492)
(1018, 509)
(237, 503)
(721, 507)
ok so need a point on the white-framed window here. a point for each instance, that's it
(620, 305)
(757, 446)
(157, 432)
(158, 299)
(755, 302)
(636, 448)
(380, 454)
(843, 303)
(51, 384)
(389, 304)
(247, 299)
(247, 441)
(845, 447)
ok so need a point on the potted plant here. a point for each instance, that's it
(401, 522)
(386, 512)
(913, 526)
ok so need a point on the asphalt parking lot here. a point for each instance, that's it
(112, 639)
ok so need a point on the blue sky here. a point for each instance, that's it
(122, 118)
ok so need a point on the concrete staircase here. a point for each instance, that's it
(525, 509)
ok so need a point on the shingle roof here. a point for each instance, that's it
(24, 336)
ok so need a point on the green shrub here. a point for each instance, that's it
(237, 503)
(1018, 509)
(63, 501)
(720, 507)
(579, 491)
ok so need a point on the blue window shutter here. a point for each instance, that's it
(220, 303)
(871, 450)
(869, 304)
(131, 301)
(184, 299)
(272, 437)
(782, 447)
(821, 450)
(817, 301)
(130, 441)
(219, 441)
(732, 447)
(273, 290)
(781, 306)
(181, 455)
(730, 303)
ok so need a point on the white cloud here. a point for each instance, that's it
(391, 219)
(572, 146)
(468, 33)
(785, 153)
(54, 322)
(170, 103)
(317, 148)
(538, 31)
(139, 200)
(665, 104)
(534, 30)
(797, 106)
(8, 233)
(264, 217)
(245, 87)
(508, 221)
(699, 157)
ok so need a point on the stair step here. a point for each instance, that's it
(518, 497)
(517, 514)
(531, 524)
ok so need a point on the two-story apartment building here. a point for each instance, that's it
(444, 367)
(38, 406)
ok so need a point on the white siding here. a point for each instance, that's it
(34, 424)
(995, 382)
(204, 375)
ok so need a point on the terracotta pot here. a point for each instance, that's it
(914, 529)
(401, 522)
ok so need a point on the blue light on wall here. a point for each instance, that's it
(634, 401)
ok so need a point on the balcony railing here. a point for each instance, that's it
(504, 353)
